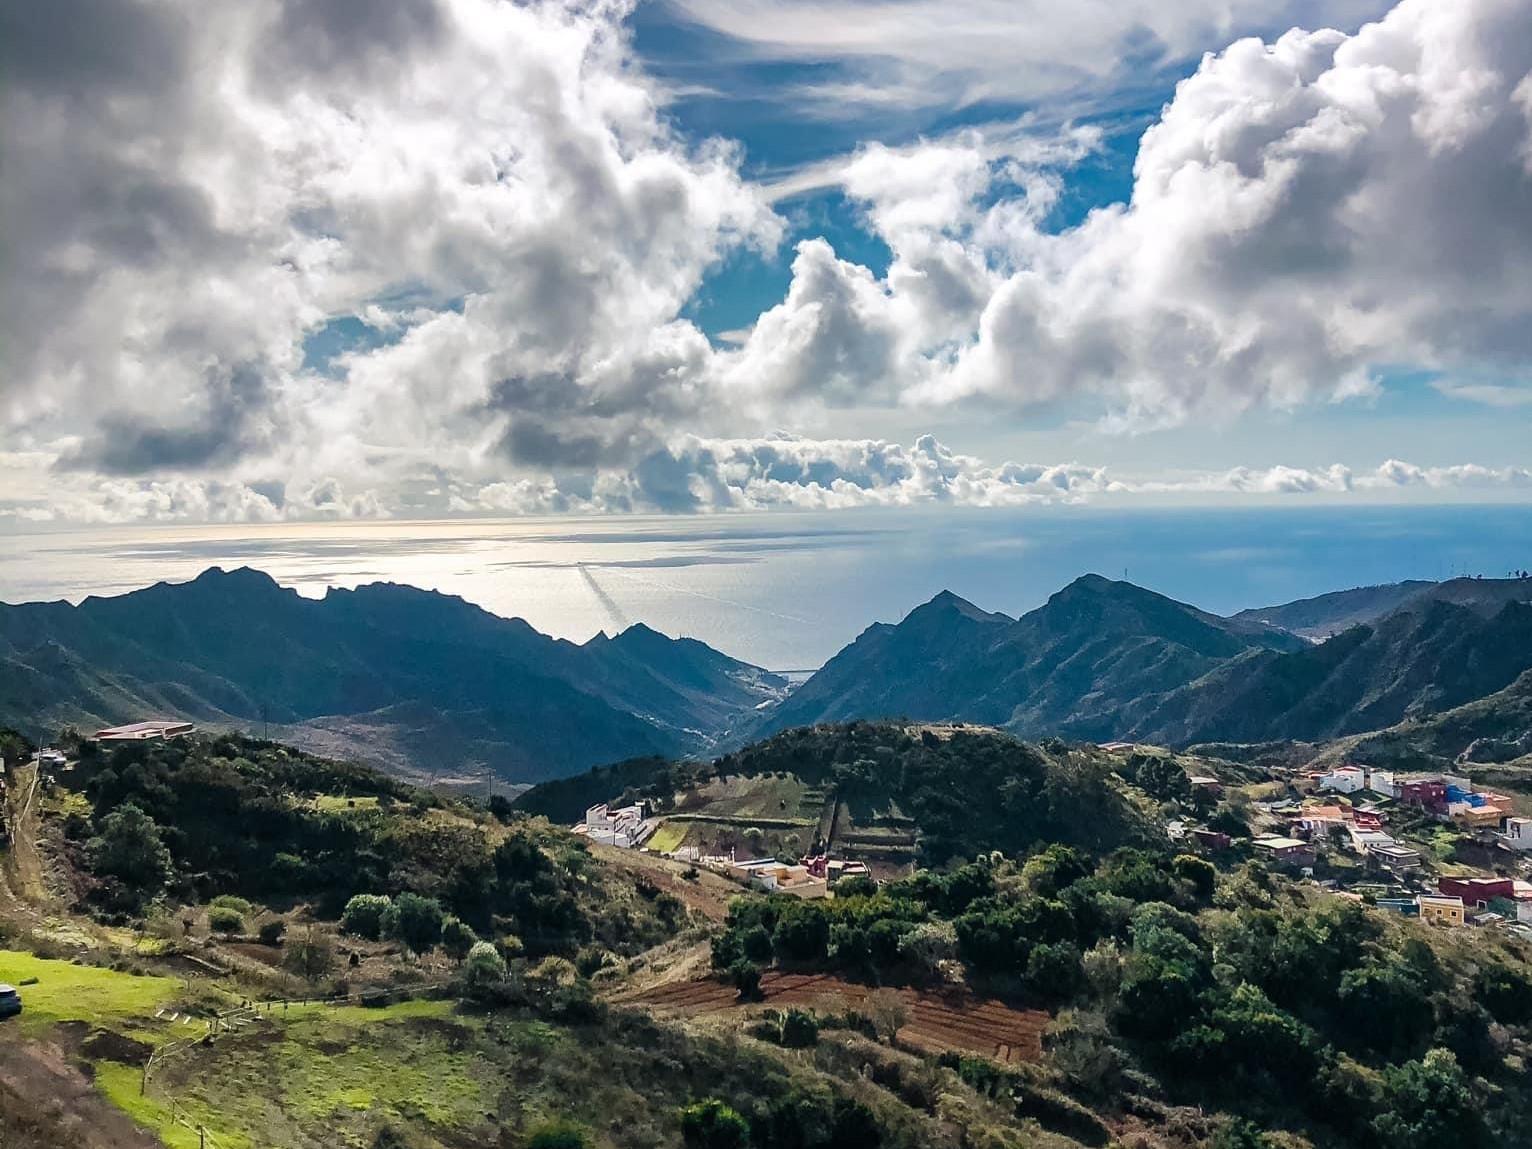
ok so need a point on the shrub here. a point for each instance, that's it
(363, 915)
(457, 938)
(484, 971)
(310, 956)
(225, 920)
(1054, 970)
(746, 978)
(271, 931)
(415, 921)
(799, 1029)
(559, 1134)
(234, 902)
(713, 1125)
(590, 959)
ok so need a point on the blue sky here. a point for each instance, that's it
(743, 92)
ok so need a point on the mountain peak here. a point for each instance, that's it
(945, 604)
(237, 577)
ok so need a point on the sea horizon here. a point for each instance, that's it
(787, 590)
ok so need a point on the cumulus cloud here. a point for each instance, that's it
(195, 191)
(312, 258)
(708, 476)
(1304, 213)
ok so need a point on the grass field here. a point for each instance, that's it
(762, 796)
(339, 803)
(667, 837)
(331, 1075)
(101, 997)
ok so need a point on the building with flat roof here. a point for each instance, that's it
(1285, 851)
(1440, 910)
(154, 728)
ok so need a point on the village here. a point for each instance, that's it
(1428, 845)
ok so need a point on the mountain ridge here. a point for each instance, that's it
(1107, 660)
(233, 647)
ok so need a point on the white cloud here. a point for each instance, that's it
(193, 190)
(700, 475)
(491, 191)
(1488, 394)
(942, 53)
(1304, 213)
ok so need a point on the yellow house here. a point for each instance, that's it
(1440, 910)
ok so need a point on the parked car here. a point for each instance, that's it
(10, 1001)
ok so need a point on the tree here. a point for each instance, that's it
(755, 943)
(745, 976)
(14, 746)
(310, 955)
(1198, 872)
(130, 849)
(802, 933)
(457, 938)
(1054, 970)
(363, 915)
(416, 922)
(1427, 1104)
(711, 1124)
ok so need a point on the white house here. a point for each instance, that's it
(1517, 834)
(1523, 899)
(623, 828)
(1344, 780)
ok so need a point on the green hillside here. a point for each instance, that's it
(1048, 973)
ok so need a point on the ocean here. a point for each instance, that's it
(787, 590)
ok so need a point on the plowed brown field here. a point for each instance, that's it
(939, 1020)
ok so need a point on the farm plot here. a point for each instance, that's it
(938, 1020)
(766, 796)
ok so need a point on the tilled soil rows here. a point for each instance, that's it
(938, 1020)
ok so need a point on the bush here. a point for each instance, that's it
(590, 959)
(1054, 970)
(559, 1134)
(484, 971)
(713, 1125)
(271, 931)
(234, 902)
(363, 915)
(225, 920)
(1196, 871)
(799, 1029)
(746, 979)
(457, 938)
(415, 921)
(311, 956)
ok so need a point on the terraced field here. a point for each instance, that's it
(939, 1020)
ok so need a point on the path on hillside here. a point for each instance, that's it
(22, 871)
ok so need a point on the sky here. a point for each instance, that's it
(293, 260)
